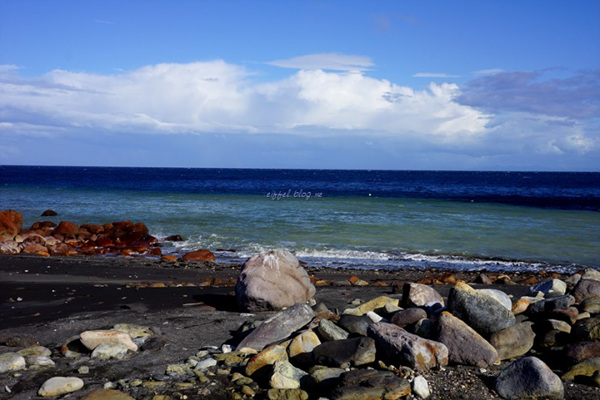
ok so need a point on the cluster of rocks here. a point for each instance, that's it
(380, 349)
(46, 238)
(96, 345)
(383, 348)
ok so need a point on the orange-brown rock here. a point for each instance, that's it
(62, 249)
(449, 279)
(33, 248)
(532, 280)
(42, 225)
(140, 227)
(199, 255)
(169, 258)
(155, 252)
(31, 237)
(122, 225)
(95, 229)
(104, 241)
(11, 223)
(66, 229)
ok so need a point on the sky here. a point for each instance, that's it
(399, 85)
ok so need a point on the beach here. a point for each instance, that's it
(47, 300)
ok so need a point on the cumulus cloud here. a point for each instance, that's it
(220, 97)
(326, 61)
(503, 119)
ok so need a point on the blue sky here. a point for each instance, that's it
(460, 85)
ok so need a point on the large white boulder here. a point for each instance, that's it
(272, 280)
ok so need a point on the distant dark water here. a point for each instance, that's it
(366, 219)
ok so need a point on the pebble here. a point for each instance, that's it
(106, 351)
(59, 385)
(329, 331)
(205, 364)
(107, 394)
(286, 376)
(11, 362)
(420, 387)
(92, 339)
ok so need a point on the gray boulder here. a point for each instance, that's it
(513, 341)
(408, 317)
(355, 324)
(345, 353)
(370, 384)
(529, 378)
(278, 327)
(586, 288)
(400, 347)
(481, 312)
(271, 281)
(465, 346)
(417, 295)
(551, 304)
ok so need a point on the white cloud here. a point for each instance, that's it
(220, 97)
(326, 61)
(216, 97)
(434, 75)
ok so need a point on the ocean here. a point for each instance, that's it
(485, 221)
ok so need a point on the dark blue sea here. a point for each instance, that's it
(335, 218)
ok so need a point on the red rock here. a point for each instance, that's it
(62, 249)
(83, 234)
(31, 237)
(131, 237)
(168, 258)
(33, 248)
(155, 252)
(104, 241)
(379, 283)
(532, 280)
(11, 223)
(9, 247)
(140, 227)
(66, 229)
(122, 225)
(91, 228)
(42, 225)
(449, 279)
(199, 255)
(49, 213)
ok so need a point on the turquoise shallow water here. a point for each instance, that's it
(345, 231)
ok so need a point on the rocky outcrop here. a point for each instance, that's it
(10, 224)
(271, 281)
(46, 238)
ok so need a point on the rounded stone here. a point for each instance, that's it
(60, 385)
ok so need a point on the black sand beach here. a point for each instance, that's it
(48, 300)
